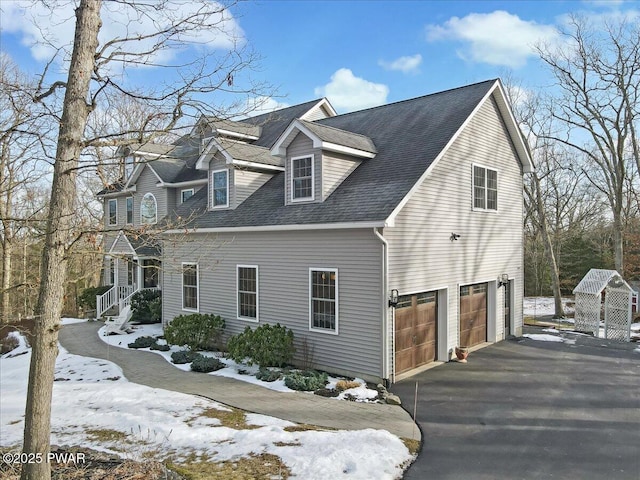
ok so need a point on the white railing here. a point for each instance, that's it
(123, 298)
(105, 301)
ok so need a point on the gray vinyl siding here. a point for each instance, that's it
(316, 113)
(147, 183)
(335, 168)
(246, 182)
(284, 259)
(421, 255)
(303, 146)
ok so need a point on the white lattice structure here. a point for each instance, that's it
(617, 304)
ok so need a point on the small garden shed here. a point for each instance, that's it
(618, 297)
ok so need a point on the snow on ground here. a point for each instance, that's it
(541, 306)
(92, 396)
(543, 337)
(233, 369)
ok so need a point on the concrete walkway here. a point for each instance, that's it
(150, 369)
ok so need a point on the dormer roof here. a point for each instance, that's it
(326, 138)
(239, 130)
(239, 153)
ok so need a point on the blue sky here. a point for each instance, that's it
(366, 53)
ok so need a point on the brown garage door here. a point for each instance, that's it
(473, 314)
(416, 321)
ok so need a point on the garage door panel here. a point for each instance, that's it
(416, 331)
(473, 314)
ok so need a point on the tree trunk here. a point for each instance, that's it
(5, 306)
(618, 243)
(548, 249)
(61, 210)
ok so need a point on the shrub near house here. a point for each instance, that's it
(197, 331)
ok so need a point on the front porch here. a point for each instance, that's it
(129, 267)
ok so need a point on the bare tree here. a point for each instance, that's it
(22, 138)
(96, 75)
(597, 72)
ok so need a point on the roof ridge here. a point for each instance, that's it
(410, 99)
(298, 105)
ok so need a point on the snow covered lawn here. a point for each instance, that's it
(245, 373)
(541, 306)
(94, 406)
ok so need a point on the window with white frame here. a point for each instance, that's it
(186, 194)
(219, 188)
(112, 206)
(323, 298)
(148, 209)
(301, 178)
(129, 210)
(190, 286)
(247, 292)
(485, 188)
(112, 271)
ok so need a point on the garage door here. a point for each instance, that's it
(473, 314)
(416, 321)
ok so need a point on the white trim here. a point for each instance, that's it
(200, 164)
(197, 309)
(324, 102)
(119, 193)
(387, 361)
(356, 152)
(138, 171)
(238, 316)
(313, 179)
(336, 301)
(190, 183)
(422, 290)
(279, 148)
(271, 228)
(120, 235)
(155, 201)
(231, 133)
(182, 191)
(109, 224)
(486, 189)
(212, 194)
(265, 166)
(126, 209)
(516, 138)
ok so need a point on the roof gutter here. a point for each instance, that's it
(190, 183)
(275, 228)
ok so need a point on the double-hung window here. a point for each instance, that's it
(219, 184)
(129, 210)
(190, 286)
(247, 292)
(301, 178)
(112, 206)
(323, 299)
(485, 188)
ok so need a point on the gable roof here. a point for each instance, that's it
(326, 138)
(410, 136)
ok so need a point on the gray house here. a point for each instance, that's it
(384, 237)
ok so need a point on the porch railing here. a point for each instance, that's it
(105, 301)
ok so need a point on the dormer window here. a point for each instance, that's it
(219, 187)
(302, 178)
(129, 163)
(148, 210)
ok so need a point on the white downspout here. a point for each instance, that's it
(385, 319)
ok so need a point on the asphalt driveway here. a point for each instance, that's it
(525, 409)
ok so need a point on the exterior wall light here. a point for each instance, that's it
(393, 298)
(454, 237)
(503, 280)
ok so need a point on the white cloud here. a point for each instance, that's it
(346, 92)
(497, 38)
(43, 30)
(407, 64)
(259, 105)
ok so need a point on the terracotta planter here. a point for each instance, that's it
(462, 353)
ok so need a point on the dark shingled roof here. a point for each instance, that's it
(408, 136)
(340, 137)
(249, 152)
(274, 123)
